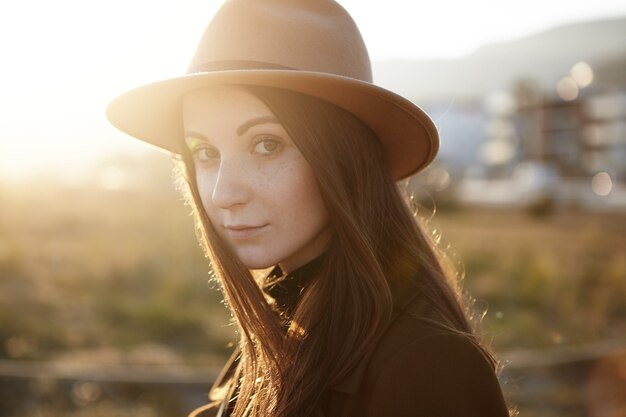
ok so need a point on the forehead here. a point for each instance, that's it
(222, 103)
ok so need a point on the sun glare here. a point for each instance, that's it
(58, 79)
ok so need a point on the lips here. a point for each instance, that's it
(244, 231)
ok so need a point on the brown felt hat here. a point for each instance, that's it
(307, 46)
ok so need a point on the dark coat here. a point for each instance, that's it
(416, 370)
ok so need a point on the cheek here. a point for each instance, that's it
(205, 185)
(304, 201)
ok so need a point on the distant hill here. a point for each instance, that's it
(544, 57)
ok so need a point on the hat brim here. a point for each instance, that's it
(151, 112)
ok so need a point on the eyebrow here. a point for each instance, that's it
(240, 130)
(256, 121)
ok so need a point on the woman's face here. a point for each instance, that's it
(256, 187)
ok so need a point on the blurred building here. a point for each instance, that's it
(579, 137)
(533, 119)
(567, 145)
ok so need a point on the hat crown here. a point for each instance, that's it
(306, 35)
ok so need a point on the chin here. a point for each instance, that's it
(257, 262)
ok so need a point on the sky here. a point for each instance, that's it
(63, 61)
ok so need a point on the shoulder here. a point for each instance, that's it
(420, 369)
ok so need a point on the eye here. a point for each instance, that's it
(204, 154)
(267, 145)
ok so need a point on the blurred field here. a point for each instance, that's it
(545, 281)
(114, 276)
(86, 271)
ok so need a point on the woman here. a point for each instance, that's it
(290, 155)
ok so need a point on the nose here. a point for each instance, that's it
(231, 187)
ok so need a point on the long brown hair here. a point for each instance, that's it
(377, 249)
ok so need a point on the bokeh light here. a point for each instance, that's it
(438, 179)
(582, 74)
(501, 103)
(497, 151)
(601, 184)
(567, 89)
